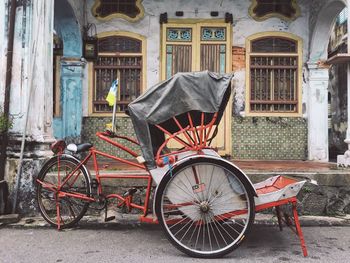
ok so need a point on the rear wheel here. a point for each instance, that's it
(55, 206)
(205, 207)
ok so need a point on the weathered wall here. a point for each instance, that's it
(68, 28)
(31, 83)
(338, 113)
(243, 26)
(34, 27)
(32, 67)
(322, 16)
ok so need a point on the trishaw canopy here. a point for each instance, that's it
(204, 91)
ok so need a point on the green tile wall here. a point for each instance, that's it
(269, 138)
(260, 138)
(91, 125)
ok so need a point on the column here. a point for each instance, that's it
(344, 160)
(31, 96)
(317, 113)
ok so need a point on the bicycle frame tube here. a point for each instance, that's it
(99, 177)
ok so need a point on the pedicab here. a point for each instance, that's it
(205, 204)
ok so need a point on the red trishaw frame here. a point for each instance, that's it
(198, 138)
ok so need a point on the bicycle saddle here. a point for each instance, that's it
(77, 148)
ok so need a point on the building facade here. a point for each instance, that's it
(68, 52)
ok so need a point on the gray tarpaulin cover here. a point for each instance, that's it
(195, 91)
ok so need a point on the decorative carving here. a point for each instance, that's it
(179, 34)
(213, 34)
(131, 10)
(284, 9)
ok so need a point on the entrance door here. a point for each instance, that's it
(199, 46)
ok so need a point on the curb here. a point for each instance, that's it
(132, 221)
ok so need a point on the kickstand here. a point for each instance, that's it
(107, 219)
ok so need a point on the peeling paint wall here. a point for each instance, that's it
(338, 113)
(322, 16)
(67, 27)
(243, 26)
(34, 24)
(31, 85)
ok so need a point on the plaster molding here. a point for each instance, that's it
(118, 15)
(322, 26)
(274, 14)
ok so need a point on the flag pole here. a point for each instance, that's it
(115, 107)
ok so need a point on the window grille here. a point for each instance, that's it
(119, 44)
(273, 76)
(126, 67)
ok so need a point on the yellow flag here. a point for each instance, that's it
(111, 97)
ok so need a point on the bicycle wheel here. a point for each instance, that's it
(52, 202)
(205, 207)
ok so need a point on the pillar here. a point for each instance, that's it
(317, 113)
(344, 160)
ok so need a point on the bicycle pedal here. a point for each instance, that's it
(110, 218)
(131, 191)
(94, 183)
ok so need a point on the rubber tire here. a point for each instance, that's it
(47, 166)
(173, 173)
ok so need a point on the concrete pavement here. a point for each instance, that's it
(147, 243)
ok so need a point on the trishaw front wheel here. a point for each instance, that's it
(205, 207)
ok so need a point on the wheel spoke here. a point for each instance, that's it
(199, 231)
(213, 231)
(207, 224)
(215, 224)
(209, 188)
(195, 194)
(188, 229)
(186, 192)
(183, 227)
(223, 228)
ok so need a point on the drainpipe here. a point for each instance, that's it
(8, 80)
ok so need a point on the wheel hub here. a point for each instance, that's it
(204, 207)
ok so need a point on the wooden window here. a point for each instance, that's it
(198, 45)
(131, 10)
(119, 57)
(284, 9)
(274, 75)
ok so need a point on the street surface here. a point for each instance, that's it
(146, 243)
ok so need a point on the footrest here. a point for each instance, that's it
(277, 188)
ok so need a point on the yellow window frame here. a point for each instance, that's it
(91, 68)
(299, 55)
